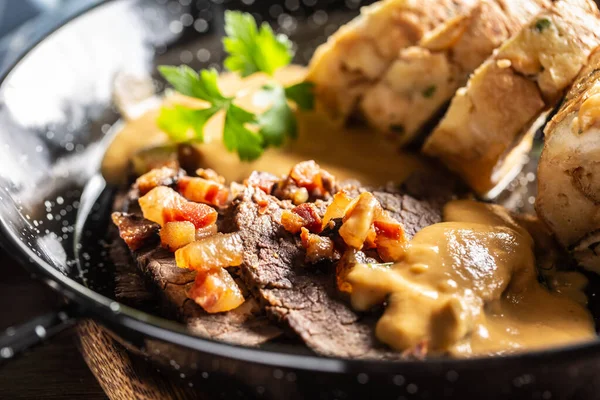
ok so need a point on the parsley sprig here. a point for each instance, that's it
(250, 49)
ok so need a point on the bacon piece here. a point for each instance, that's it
(318, 248)
(309, 175)
(391, 240)
(163, 176)
(213, 252)
(206, 231)
(203, 191)
(134, 230)
(262, 180)
(175, 235)
(305, 215)
(216, 291)
(210, 175)
(163, 204)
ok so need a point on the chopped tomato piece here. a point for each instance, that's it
(216, 291)
(198, 214)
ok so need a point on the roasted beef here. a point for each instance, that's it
(304, 297)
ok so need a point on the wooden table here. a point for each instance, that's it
(57, 370)
(54, 370)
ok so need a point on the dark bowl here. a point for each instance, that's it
(56, 114)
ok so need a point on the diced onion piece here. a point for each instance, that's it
(155, 201)
(318, 248)
(337, 208)
(206, 231)
(175, 235)
(216, 291)
(358, 220)
(163, 176)
(217, 251)
(391, 240)
(203, 191)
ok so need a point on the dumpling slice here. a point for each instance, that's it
(568, 197)
(360, 52)
(484, 129)
(423, 78)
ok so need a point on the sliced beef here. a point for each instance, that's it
(246, 325)
(305, 297)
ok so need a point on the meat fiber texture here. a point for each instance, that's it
(304, 297)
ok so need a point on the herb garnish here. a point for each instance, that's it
(429, 91)
(542, 24)
(250, 49)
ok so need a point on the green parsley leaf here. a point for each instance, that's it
(279, 121)
(178, 121)
(542, 24)
(252, 49)
(302, 94)
(189, 83)
(237, 137)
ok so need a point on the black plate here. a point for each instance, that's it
(55, 118)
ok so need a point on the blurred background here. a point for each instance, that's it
(25, 20)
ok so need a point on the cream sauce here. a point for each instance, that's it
(354, 153)
(468, 286)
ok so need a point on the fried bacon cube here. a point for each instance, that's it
(318, 248)
(216, 291)
(163, 176)
(175, 235)
(203, 191)
(163, 204)
(390, 240)
(303, 216)
(213, 252)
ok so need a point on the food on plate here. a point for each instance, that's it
(451, 275)
(327, 234)
(355, 57)
(568, 197)
(484, 132)
(423, 77)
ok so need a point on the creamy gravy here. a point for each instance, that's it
(345, 152)
(468, 286)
